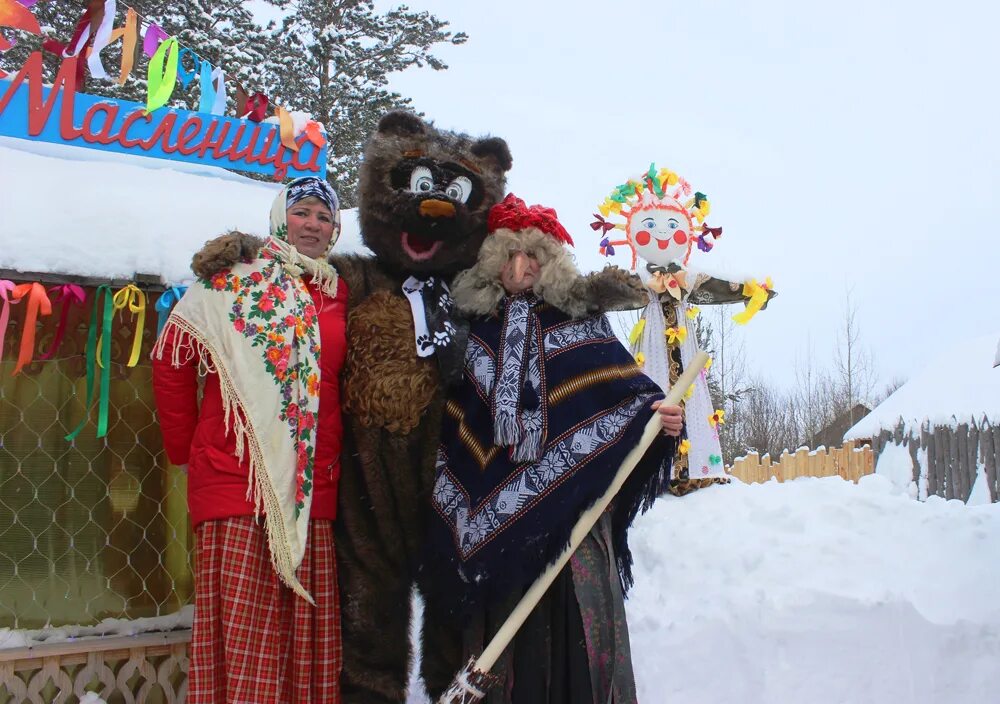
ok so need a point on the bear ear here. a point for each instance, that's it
(400, 122)
(496, 149)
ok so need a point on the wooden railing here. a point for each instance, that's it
(846, 462)
(145, 669)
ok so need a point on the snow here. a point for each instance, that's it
(896, 465)
(299, 121)
(10, 638)
(815, 590)
(92, 698)
(109, 216)
(980, 494)
(959, 386)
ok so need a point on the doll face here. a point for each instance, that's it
(661, 235)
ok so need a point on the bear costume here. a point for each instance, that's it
(425, 194)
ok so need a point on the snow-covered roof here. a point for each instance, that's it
(959, 386)
(67, 210)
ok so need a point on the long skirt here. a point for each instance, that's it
(574, 647)
(254, 640)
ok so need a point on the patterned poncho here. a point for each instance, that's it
(548, 409)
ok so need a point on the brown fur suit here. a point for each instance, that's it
(420, 186)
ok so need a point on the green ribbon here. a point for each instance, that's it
(160, 84)
(106, 317)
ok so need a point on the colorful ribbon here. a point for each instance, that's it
(184, 76)
(633, 337)
(105, 323)
(102, 37)
(167, 300)
(213, 99)
(705, 244)
(151, 40)
(286, 128)
(757, 294)
(38, 304)
(161, 75)
(676, 335)
(6, 288)
(256, 107)
(314, 133)
(131, 297)
(67, 295)
(601, 224)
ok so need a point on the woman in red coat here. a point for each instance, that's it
(262, 452)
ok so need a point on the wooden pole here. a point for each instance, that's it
(460, 690)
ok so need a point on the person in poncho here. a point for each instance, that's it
(262, 453)
(550, 405)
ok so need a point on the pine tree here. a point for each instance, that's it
(332, 59)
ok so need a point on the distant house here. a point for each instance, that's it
(832, 435)
(947, 418)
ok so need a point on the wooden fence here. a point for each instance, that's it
(847, 462)
(950, 455)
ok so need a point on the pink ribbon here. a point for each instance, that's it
(67, 295)
(6, 288)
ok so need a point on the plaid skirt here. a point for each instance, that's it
(254, 640)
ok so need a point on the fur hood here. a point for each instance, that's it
(478, 291)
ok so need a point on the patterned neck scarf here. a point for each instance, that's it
(255, 325)
(519, 403)
(435, 332)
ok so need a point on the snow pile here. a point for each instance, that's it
(92, 698)
(896, 465)
(107, 215)
(960, 386)
(108, 627)
(815, 590)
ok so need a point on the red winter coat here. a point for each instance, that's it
(217, 481)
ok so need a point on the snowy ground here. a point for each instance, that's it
(816, 590)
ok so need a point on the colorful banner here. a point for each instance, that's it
(58, 114)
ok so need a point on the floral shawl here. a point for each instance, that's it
(255, 325)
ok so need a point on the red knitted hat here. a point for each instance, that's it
(513, 214)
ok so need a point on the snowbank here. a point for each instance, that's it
(959, 386)
(815, 590)
(112, 216)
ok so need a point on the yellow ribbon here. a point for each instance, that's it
(675, 284)
(757, 295)
(286, 128)
(131, 297)
(676, 335)
(633, 336)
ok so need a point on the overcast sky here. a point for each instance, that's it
(848, 145)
